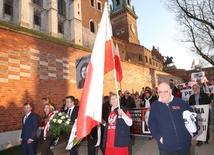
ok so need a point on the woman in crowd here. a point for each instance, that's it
(45, 140)
(117, 130)
(138, 100)
(148, 99)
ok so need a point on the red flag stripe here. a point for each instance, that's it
(118, 68)
(109, 63)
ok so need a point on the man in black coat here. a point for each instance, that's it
(200, 98)
(127, 101)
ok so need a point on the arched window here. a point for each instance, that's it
(99, 6)
(92, 3)
(61, 7)
(92, 26)
(8, 7)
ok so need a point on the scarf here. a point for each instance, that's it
(147, 104)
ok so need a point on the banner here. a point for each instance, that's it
(140, 121)
(198, 75)
(185, 94)
(202, 112)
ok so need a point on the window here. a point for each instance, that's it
(140, 57)
(8, 7)
(99, 6)
(61, 27)
(61, 7)
(117, 2)
(38, 2)
(92, 26)
(128, 1)
(37, 19)
(146, 59)
(92, 3)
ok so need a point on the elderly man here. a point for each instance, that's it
(200, 98)
(167, 125)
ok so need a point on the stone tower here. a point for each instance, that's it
(123, 19)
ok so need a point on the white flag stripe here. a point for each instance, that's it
(96, 90)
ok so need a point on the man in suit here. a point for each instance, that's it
(29, 128)
(72, 111)
(200, 98)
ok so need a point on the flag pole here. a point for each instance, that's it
(115, 80)
(121, 87)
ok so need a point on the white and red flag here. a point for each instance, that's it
(118, 68)
(101, 62)
(193, 64)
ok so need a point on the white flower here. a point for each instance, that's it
(66, 116)
(60, 114)
(59, 121)
(67, 122)
(63, 117)
(54, 120)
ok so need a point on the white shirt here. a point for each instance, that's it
(71, 110)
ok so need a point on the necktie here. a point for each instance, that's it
(69, 112)
(25, 119)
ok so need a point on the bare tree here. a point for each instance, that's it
(197, 20)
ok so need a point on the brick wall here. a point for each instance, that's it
(32, 68)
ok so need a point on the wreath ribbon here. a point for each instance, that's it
(47, 123)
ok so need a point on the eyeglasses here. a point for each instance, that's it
(163, 92)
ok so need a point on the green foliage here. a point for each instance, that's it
(58, 124)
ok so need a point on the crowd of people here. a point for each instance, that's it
(165, 120)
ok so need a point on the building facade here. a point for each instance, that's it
(67, 19)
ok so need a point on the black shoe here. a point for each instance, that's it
(206, 142)
(199, 143)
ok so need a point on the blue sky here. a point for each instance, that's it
(157, 26)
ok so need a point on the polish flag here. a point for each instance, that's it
(90, 109)
(193, 64)
(118, 68)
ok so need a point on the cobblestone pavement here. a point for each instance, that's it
(141, 146)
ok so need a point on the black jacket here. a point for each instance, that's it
(203, 99)
(128, 103)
